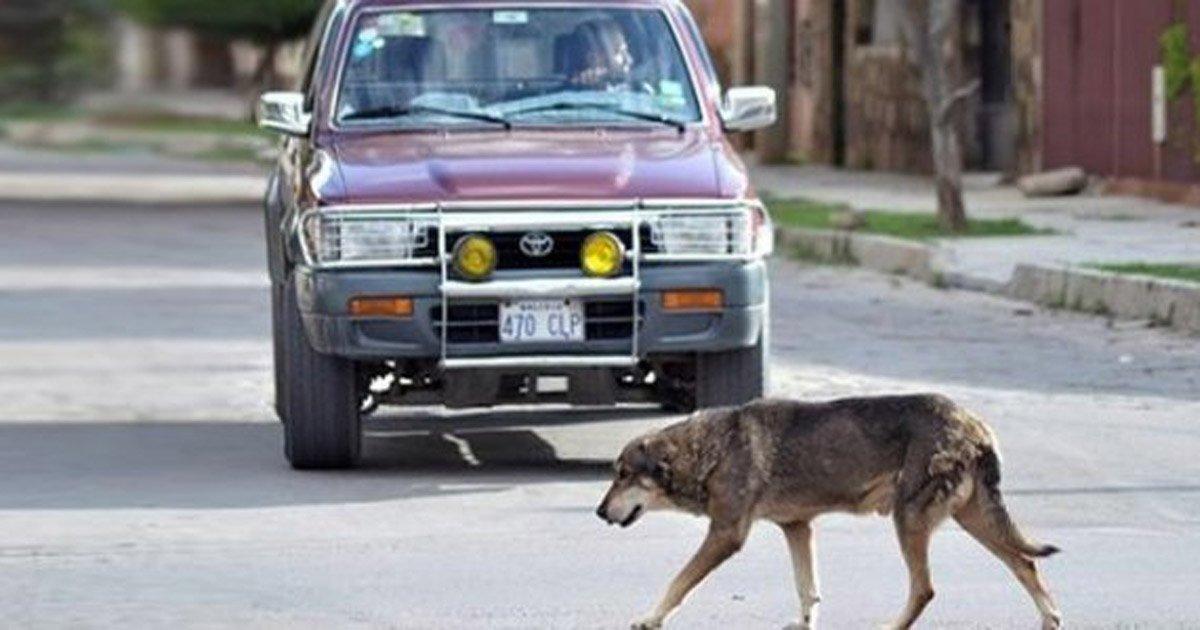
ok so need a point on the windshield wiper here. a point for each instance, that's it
(410, 110)
(606, 107)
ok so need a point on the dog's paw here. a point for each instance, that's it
(647, 624)
(799, 625)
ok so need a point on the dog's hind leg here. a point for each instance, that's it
(916, 519)
(722, 542)
(975, 519)
(915, 533)
(804, 564)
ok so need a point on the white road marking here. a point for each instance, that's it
(44, 278)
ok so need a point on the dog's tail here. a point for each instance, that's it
(990, 501)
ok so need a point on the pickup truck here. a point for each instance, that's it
(482, 203)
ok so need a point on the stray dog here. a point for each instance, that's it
(921, 459)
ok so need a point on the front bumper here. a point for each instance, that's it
(324, 296)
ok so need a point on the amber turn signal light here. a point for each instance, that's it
(693, 300)
(381, 307)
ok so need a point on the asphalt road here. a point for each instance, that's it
(142, 482)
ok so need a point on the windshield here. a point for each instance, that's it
(511, 67)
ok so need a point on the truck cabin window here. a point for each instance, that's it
(481, 67)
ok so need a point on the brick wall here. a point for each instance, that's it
(886, 125)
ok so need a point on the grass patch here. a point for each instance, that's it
(1185, 272)
(36, 112)
(99, 146)
(130, 120)
(165, 123)
(803, 213)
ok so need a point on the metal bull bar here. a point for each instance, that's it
(514, 216)
(465, 219)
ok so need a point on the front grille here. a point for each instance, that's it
(606, 320)
(469, 323)
(565, 254)
(611, 320)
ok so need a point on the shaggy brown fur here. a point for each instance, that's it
(921, 459)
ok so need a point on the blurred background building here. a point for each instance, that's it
(152, 59)
(1060, 82)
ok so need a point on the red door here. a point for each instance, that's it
(1099, 56)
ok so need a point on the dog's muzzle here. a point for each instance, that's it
(633, 516)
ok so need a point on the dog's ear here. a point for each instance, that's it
(656, 456)
(664, 463)
(662, 473)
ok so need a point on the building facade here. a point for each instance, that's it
(1060, 82)
(1098, 95)
(176, 60)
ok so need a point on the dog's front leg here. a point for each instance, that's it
(722, 542)
(804, 565)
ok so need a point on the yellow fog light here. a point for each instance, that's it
(602, 255)
(475, 257)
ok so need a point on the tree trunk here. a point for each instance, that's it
(948, 161)
(215, 63)
(929, 28)
(264, 76)
(264, 79)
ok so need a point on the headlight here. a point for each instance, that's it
(602, 255)
(342, 237)
(475, 257)
(736, 232)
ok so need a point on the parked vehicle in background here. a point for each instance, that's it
(481, 203)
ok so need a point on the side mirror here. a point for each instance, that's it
(284, 112)
(749, 108)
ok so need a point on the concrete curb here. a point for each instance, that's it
(132, 189)
(878, 253)
(1167, 302)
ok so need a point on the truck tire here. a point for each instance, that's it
(730, 379)
(319, 399)
(277, 341)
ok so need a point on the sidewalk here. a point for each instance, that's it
(1053, 270)
(1089, 229)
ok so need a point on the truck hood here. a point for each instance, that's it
(534, 165)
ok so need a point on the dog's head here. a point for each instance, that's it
(642, 483)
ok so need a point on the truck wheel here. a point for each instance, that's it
(318, 397)
(730, 379)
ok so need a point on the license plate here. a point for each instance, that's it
(541, 321)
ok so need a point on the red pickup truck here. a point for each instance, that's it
(480, 203)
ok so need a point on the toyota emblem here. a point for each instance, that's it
(537, 245)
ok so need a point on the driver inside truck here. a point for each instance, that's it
(597, 56)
